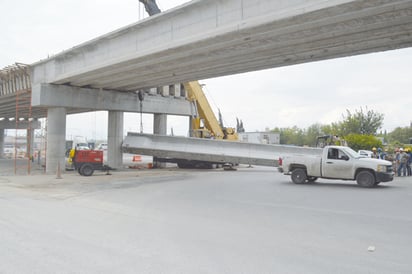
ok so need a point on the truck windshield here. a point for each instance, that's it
(351, 152)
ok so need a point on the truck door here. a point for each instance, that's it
(337, 164)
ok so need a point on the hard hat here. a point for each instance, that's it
(374, 148)
(401, 149)
(379, 149)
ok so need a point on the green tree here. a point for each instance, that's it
(400, 135)
(292, 136)
(316, 130)
(362, 141)
(360, 122)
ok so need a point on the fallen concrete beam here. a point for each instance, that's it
(214, 151)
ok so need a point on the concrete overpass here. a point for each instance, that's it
(204, 39)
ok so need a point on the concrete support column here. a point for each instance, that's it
(165, 91)
(153, 91)
(159, 127)
(115, 139)
(2, 131)
(56, 139)
(30, 142)
(177, 90)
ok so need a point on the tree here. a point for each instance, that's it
(291, 136)
(239, 126)
(362, 141)
(359, 122)
(314, 131)
(400, 135)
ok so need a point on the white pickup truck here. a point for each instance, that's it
(337, 162)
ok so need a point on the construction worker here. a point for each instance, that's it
(381, 154)
(403, 160)
(374, 153)
(409, 161)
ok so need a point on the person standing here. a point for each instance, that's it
(403, 159)
(409, 162)
(374, 153)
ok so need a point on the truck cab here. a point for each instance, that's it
(337, 162)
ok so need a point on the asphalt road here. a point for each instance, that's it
(253, 220)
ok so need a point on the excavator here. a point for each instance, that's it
(204, 123)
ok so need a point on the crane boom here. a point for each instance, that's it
(196, 95)
(150, 7)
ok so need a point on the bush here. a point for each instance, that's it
(358, 141)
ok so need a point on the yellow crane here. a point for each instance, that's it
(211, 128)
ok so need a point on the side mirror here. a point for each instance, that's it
(345, 157)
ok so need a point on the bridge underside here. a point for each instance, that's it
(207, 39)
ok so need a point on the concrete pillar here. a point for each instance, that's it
(160, 124)
(153, 91)
(165, 91)
(2, 131)
(115, 139)
(159, 127)
(183, 92)
(177, 90)
(56, 139)
(30, 142)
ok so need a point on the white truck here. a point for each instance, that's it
(337, 162)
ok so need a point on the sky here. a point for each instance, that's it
(298, 95)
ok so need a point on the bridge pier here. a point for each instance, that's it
(56, 139)
(2, 143)
(159, 127)
(115, 139)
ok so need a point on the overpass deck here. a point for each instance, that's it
(211, 38)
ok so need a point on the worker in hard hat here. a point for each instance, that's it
(403, 160)
(381, 154)
(374, 153)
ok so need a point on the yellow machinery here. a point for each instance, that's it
(211, 127)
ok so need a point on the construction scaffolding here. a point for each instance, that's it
(15, 82)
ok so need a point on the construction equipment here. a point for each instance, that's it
(87, 161)
(327, 140)
(150, 7)
(204, 123)
(212, 128)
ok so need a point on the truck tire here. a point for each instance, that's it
(299, 176)
(365, 178)
(86, 170)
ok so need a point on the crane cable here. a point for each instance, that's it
(140, 94)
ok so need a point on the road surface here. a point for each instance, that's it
(253, 220)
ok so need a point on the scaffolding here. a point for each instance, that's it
(15, 81)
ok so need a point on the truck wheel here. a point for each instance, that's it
(312, 179)
(365, 179)
(86, 170)
(299, 176)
